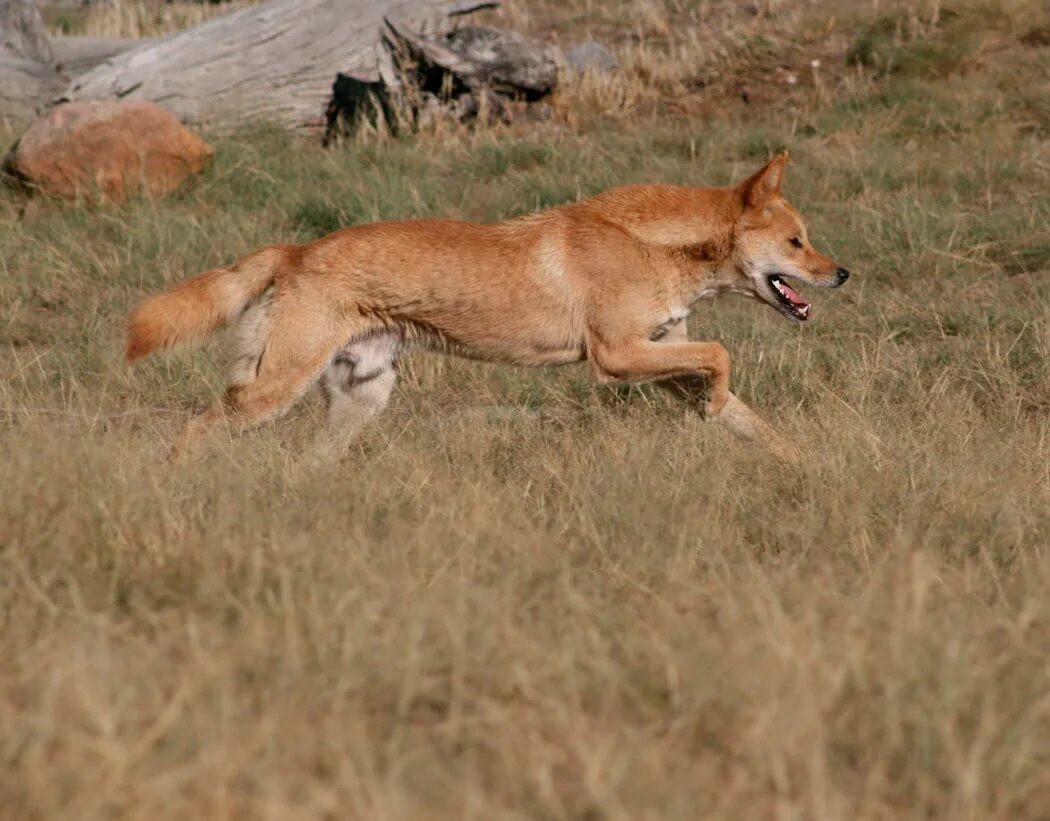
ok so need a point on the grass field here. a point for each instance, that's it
(522, 595)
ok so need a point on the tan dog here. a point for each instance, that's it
(610, 279)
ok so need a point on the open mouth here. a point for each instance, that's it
(787, 300)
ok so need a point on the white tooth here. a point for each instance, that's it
(804, 310)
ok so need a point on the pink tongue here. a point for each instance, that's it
(785, 289)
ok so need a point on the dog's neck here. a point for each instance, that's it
(693, 228)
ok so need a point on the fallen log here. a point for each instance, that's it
(461, 72)
(25, 86)
(273, 63)
(74, 56)
(22, 31)
(27, 80)
(480, 58)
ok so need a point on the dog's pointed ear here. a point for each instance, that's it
(762, 186)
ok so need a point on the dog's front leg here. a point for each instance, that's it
(695, 371)
(642, 360)
(735, 415)
(747, 424)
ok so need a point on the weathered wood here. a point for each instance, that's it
(452, 72)
(25, 86)
(480, 57)
(74, 56)
(22, 31)
(27, 80)
(273, 63)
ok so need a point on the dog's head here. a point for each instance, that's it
(771, 246)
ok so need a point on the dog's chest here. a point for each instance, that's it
(671, 324)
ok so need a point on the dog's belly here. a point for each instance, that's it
(493, 343)
(509, 325)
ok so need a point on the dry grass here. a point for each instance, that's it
(522, 595)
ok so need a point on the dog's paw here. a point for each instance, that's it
(716, 402)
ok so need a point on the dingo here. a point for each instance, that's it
(609, 279)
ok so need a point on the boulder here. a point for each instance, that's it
(108, 149)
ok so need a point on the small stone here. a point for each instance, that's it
(593, 56)
(540, 112)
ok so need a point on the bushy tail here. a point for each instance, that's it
(193, 309)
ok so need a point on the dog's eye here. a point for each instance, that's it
(796, 242)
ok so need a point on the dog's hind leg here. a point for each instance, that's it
(249, 342)
(357, 383)
(267, 379)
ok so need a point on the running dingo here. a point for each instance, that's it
(609, 279)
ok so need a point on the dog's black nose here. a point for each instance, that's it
(842, 274)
